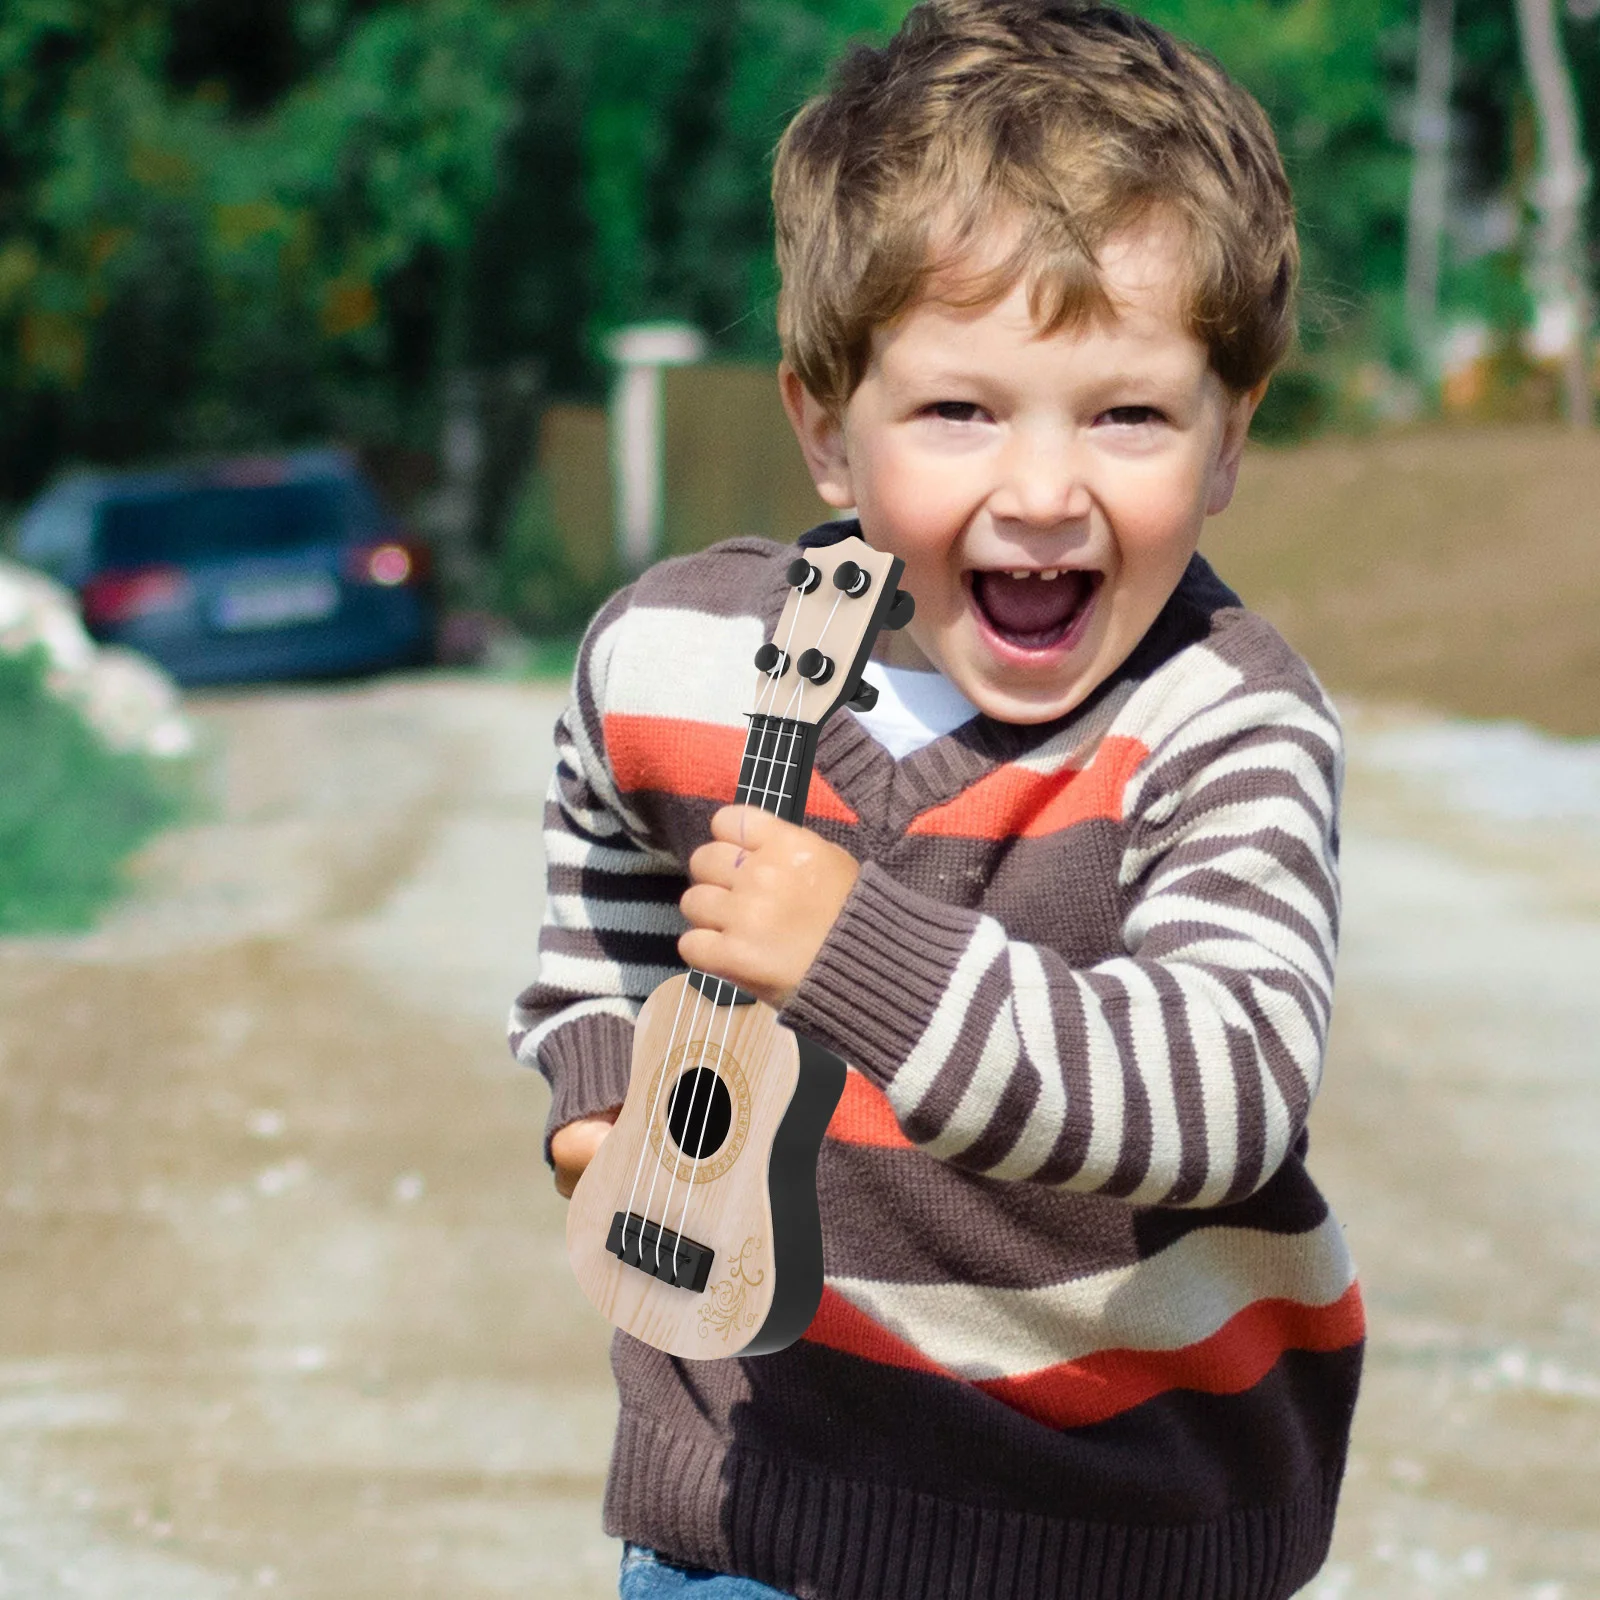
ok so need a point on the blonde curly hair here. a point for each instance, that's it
(1046, 125)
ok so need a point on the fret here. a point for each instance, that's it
(775, 765)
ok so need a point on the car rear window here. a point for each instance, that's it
(197, 524)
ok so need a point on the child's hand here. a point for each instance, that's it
(763, 897)
(572, 1147)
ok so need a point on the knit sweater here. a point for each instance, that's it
(1088, 1328)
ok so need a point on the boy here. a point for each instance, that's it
(1066, 898)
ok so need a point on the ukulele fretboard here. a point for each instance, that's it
(776, 770)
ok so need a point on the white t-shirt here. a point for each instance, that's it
(913, 709)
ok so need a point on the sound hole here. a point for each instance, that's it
(700, 1113)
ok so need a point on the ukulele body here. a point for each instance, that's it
(720, 1255)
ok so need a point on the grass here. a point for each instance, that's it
(551, 659)
(71, 810)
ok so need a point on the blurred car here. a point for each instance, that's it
(250, 568)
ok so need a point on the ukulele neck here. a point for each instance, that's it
(776, 771)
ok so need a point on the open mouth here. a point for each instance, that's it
(1032, 611)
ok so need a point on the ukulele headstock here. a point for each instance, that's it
(840, 596)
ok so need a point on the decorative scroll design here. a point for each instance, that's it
(725, 1308)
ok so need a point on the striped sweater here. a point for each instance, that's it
(1088, 1328)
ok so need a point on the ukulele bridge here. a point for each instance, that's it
(658, 1251)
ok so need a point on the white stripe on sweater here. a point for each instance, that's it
(932, 1051)
(647, 682)
(1174, 1299)
(1152, 1060)
(1036, 1029)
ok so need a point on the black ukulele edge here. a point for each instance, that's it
(792, 1190)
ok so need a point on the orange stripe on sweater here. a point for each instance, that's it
(1077, 1394)
(1014, 802)
(863, 1116)
(700, 760)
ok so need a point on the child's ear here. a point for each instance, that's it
(1235, 430)
(821, 436)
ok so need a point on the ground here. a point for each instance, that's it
(286, 1299)
(286, 1303)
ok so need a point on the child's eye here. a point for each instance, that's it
(955, 410)
(1133, 415)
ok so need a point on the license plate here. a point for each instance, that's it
(278, 602)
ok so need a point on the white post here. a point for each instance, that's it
(1430, 178)
(640, 352)
(1558, 273)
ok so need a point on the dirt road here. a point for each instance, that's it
(283, 1299)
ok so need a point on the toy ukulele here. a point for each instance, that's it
(695, 1226)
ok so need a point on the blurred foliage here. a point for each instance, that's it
(535, 584)
(70, 813)
(237, 223)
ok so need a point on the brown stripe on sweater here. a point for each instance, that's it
(1289, 1202)
(1187, 1093)
(1291, 853)
(1134, 1160)
(1224, 892)
(930, 1118)
(625, 945)
(960, 1226)
(1169, 775)
(1008, 1118)
(1070, 1153)
(750, 580)
(647, 885)
(1058, 895)
(1172, 944)
(1252, 1114)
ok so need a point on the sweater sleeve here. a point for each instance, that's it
(1180, 1072)
(611, 918)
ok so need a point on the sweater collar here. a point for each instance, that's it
(869, 780)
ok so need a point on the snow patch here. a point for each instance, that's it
(125, 698)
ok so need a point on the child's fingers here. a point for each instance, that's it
(715, 863)
(724, 957)
(573, 1147)
(747, 826)
(698, 948)
(706, 905)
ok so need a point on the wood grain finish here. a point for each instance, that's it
(725, 1205)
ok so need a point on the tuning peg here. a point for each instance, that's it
(865, 697)
(814, 666)
(854, 580)
(901, 609)
(771, 660)
(803, 576)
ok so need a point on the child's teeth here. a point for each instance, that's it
(1021, 572)
(1051, 572)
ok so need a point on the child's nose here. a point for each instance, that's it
(1042, 483)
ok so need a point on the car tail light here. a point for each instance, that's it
(389, 564)
(122, 596)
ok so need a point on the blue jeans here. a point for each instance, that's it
(648, 1576)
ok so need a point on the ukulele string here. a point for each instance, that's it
(644, 1144)
(771, 790)
(768, 792)
(762, 697)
